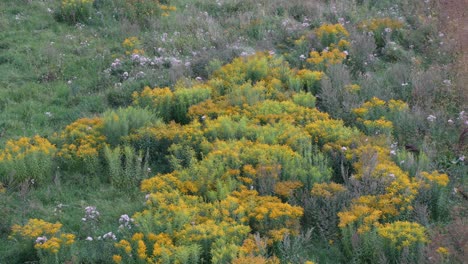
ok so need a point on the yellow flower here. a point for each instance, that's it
(443, 251)
(141, 250)
(137, 236)
(117, 258)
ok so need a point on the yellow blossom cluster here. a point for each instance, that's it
(82, 139)
(368, 211)
(403, 234)
(132, 45)
(327, 190)
(286, 188)
(332, 34)
(19, 149)
(441, 179)
(326, 57)
(378, 24)
(373, 115)
(47, 236)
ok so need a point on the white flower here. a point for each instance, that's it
(392, 152)
(461, 158)
(41, 240)
(344, 148)
(302, 57)
(431, 118)
(388, 30)
(450, 121)
(346, 52)
(447, 82)
(89, 238)
(49, 114)
(391, 175)
(199, 78)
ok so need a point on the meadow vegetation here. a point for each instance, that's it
(228, 131)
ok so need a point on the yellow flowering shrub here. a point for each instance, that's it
(331, 131)
(440, 179)
(27, 158)
(46, 236)
(375, 116)
(401, 234)
(381, 27)
(331, 33)
(83, 139)
(132, 45)
(443, 251)
(326, 57)
(327, 190)
(286, 188)
(310, 80)
(379, 24)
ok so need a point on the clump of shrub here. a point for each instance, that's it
(73, 11)
(27, 159)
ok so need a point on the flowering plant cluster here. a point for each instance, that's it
(46, 236)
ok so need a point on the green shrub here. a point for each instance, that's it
(123, 121)
(126, 168)
(73, 11)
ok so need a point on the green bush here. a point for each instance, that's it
(73, 11)
(123, 121)
(125, 167)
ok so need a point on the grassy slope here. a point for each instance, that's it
(38, 58)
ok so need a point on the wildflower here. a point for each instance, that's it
(91, 213)
(344, 148)
(461, 158)
(442, 251)
(388, 30)
(109, 235)
(431, 118)
(89, 239)
(49, 114)
(447, 82)
(41, 240)
(392, 152)
(125, 221)
(302, 57)
(117, 258)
